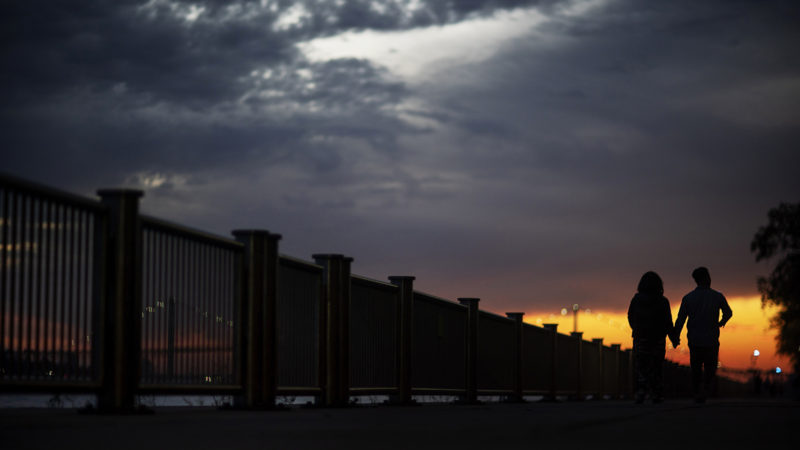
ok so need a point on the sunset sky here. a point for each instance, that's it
(534, 154)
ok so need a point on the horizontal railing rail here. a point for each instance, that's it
(156, 224)
(31, 188)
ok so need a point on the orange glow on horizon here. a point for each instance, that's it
(747, 331)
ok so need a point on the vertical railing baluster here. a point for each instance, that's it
(46, 254)
(99, 284)
(26, 285)
(12, 297)
(182, 306)
(170, 310)
(4, 268)
(31, 297)
(215, 289)
(57, 301)
(148, 290)
(203, 331)
(87, 295)
(34, 341)
(62, 292)
(191, 313)
(69, 269)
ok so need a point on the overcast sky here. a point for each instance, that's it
(532, 154)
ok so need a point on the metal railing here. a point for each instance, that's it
(495, 371)
(51, 265)
(299, 326)
(373, 336)
(439, 346)
(191, 302)
(96, 297)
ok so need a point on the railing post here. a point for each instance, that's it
(260, 280)
(578, 335)
(517, 386)
(471, 391)
(121, 311)
(616, 380)
(405, 330)
(553, 328)
(601, 367)
(171, 325)
(336, 284)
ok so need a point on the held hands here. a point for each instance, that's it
(675, 339)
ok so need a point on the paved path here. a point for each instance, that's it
(676, 424)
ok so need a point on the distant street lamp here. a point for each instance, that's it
(754, 358)
(575, 309)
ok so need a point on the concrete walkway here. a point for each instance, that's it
(675, 424)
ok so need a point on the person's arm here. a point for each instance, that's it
(674, 338)
(632, 314)
(726, 311)
(681, 317)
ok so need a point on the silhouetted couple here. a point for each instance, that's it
(650, 317)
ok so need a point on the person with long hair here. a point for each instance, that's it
(650, 318)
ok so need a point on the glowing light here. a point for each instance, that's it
(575, 307)
(563, 311)
(756, 352)
(778, 370)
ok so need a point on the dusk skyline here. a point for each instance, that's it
(531, 154)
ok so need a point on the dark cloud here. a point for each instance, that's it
(591, 148)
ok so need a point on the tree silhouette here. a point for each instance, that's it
(780, 239)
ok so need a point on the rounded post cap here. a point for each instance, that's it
(126, 192)
(402, 278)
(255, 232)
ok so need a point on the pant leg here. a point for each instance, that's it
(658, 370)
(696, 358)
(710, 369)
(640, 361)
(649, 354)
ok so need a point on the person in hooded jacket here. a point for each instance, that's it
(650, 318)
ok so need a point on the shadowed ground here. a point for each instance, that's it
(676, 424)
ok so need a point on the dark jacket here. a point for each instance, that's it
(702, 307)
(650, 317)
